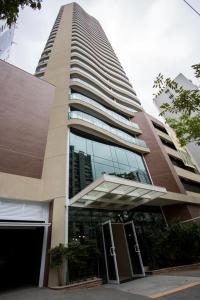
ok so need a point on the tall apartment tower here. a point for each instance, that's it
(88, 165)
(94, 165)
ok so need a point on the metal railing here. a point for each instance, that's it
(77, 96)
(119, 133)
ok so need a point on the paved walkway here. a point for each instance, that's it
(157, 285)
(84, 294)
(162, 286)
(193, 273)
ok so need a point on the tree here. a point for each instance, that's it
(9, 9)
(184, 107)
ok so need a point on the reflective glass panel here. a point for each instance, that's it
(91, 159)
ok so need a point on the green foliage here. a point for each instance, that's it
(185, 104)
(82, 259)
(9, 9)
(81, 256)
(177, 245)
(197, 70)
(56, 255)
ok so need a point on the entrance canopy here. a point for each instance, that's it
(112, 192)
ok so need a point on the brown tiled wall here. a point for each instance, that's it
(176, 213)
(24, 114)
(180, 212)
(158, 162)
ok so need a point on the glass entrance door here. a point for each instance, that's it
(110, 255)
(134, 250)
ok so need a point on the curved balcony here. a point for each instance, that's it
(103, 45)
(39, 74)
(49, 48)
(42, 62)
(77, 22)
(49, 44)
(95, 43)
(77, 49)
(119, 133)
(95, 65)
(99, 74)
(96, 34)
(116, 116)
(104, 87)
(94, 48)
(40, 70)
(41, 67)
(45, 53)
(97, 53)
(126, 109)
(50, 40)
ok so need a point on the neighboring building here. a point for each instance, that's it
(25, 103)
(6, 39)
(170, 169)
(95, 171)
(164, 98)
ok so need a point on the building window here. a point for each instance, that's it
(159, 127)
(90, 159)
(190, 185)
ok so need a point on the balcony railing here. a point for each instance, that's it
(91, 87)
(109, 90)
(77, 96)
(119, 133)
(108, 81)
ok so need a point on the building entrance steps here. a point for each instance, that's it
(157, 286)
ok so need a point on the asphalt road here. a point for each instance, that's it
(91, 294)
(188, 294)
(102, 293)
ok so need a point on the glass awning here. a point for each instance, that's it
(112, 192)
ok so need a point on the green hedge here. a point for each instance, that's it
(177, 245)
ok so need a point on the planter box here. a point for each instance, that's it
(87, 284)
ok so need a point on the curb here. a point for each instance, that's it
(174, 290)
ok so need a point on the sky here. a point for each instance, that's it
(148, 36)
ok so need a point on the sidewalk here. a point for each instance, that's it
(84, 294)
(157, 285)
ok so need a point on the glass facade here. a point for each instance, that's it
(100, 82)
(83, 223)
(86, 225)
(118, 117)
(121, 134)
(90, 159)
(91, 87)
(6, 38)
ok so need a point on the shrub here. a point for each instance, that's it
(82, 259)
(176, 245)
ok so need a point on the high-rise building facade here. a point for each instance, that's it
(97, 179)
(94, 151)
(6, 39)
(93, 144)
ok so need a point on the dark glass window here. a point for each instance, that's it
(90, 159)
